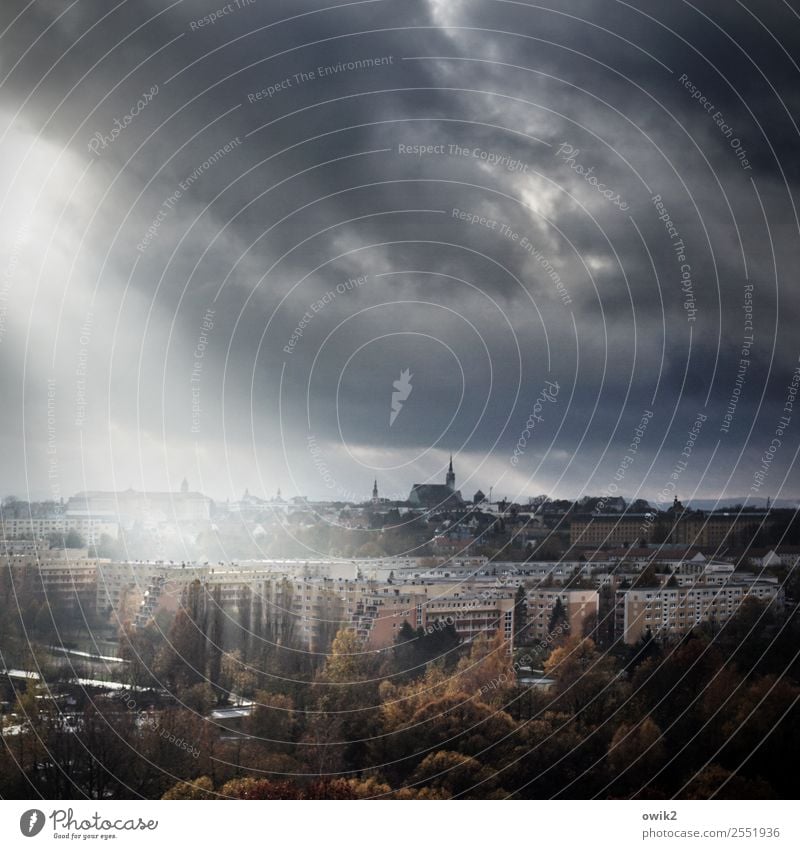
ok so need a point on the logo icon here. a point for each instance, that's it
(31, 822)
(403, 389)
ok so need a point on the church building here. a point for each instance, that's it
(436, 495)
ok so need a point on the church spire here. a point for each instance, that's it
(375, 492)
(450, 480)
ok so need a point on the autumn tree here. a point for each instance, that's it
(273, 719)
(215, 637)
(138, 647)
(486, 672)
(347, 695)
(450, 774)
(201, 788)
(348, 662)
(584, 677)
(182, 661)
(635, 756)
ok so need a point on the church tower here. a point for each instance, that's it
(450, 480)
(375, 492)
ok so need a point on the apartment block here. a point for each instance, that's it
(674, 611)
(57, 579)
(691, 529)
(579, 605)
(91, 528)
(608, 529)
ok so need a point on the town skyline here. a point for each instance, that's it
(208, 326)
(398, 401)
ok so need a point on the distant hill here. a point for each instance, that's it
(714, 504)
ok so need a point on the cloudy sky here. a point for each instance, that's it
(591, 197)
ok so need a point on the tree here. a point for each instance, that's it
(719, 783)
(348, 662)
(405, 651)
(139, 647)
(201, 788)
(108, 547)
(648, 577)
(74, 540)
(182, 662)
(215, 642)
(245, 621)
(558, 618)
(486, 672)
(273, 719)
(346, 693)
(584, 677)
(43, 624)
(453, 774)
(645, 648)
(636, 755)
(456, 721)
(520, 616)
(414, 650)
(237, 678)
(260, 788)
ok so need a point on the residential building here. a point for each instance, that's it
(674, 611)
(579, 607)
(91, 528)
(147, 509)
(64, 580)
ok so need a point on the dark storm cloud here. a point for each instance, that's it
(315, 191)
